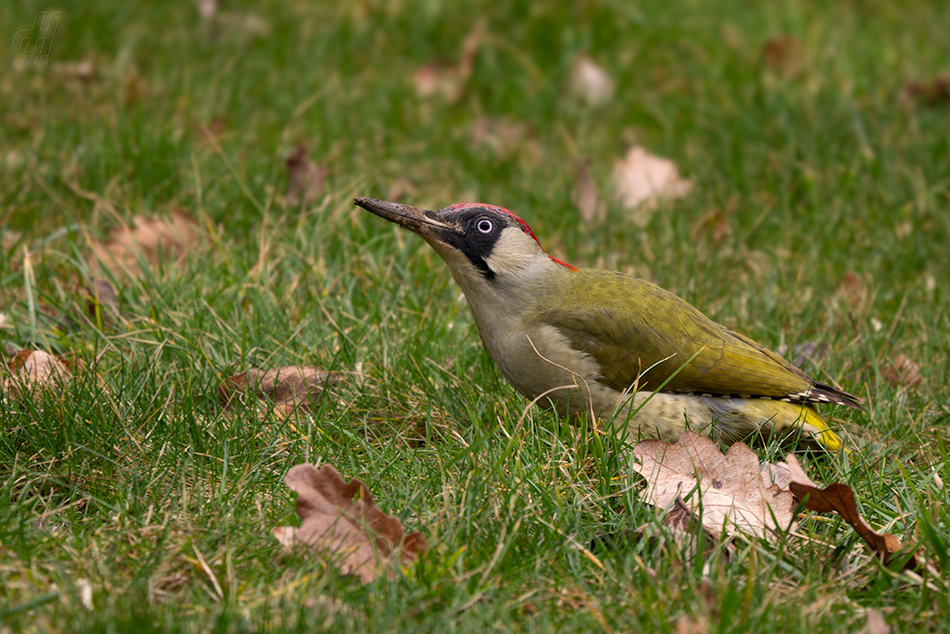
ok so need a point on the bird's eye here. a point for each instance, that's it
(484, 225)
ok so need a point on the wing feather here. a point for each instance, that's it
(617, 322)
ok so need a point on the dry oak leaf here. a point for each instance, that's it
(714, 225)
(586, 196)
(678, 523)
(341, 520)
(32, 370)
(101, 297)
(211, 133)
(901, 371)
(590, 82)
(932, 93)
(305, 179)
(783, 54)
(875, 623)
(290, 388)
(853, 290)
(84, 71)
(444, 79)
(640, 179)
(506, 138)
(840, 498)
(808, 351)
(149, 239)
(733, 490)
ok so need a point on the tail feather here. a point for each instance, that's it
(815, 429)
(823, 393)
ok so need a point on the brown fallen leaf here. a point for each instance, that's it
(840, 499)
(808, 351)
(714, 225)
(290, 388)
(875, 623)
(401, 188)
(436, 79)
(442, 78)
(208, 8)
(33, 370)
(84, 71)
(928, 93)
(210, 134)
(240, 26)
(783, 54)
(853, 290)
(678, 522)
(341, 521)
(901, 371)
(733, 490)
(586, 195)
(641, 179)
(589, 82)
(305, 179)
(101, 299)
(687, 624)
(505, 138)
(151, 239)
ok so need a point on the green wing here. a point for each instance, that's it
(636, 329)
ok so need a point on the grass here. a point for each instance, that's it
(835, 192)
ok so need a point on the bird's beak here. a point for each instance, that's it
(422, 221)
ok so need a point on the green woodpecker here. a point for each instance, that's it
(609, 344)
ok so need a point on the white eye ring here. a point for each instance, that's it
(484, 225)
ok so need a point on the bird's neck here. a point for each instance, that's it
(513, 290)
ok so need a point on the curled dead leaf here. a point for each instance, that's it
(436, 78)
(808, 351)
(875, 623)
(840, 499)
(290, 388)
(901, 371)
(714, 225)
(928, 93)
(208, 8)
(305, 179)
(505, 137)
(149, 239)
(687, 624)
(446, 80)
(341, 521)
(240, 26)
(586, 196)
(783, 54)
(677, 523)
(401, 188)
(733, 490)
(101, 297)
(852, 289)
(589, 82)
(641, 179)
(210, 134)
(32, 370)
(84, 71)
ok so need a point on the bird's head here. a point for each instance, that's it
(477, 241)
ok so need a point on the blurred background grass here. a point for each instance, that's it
(798, 125)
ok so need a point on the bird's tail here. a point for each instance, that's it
(815, 428)
(801, 421)
(737, 419)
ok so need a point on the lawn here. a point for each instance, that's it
(815, 136)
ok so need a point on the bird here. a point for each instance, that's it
(610, 345)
